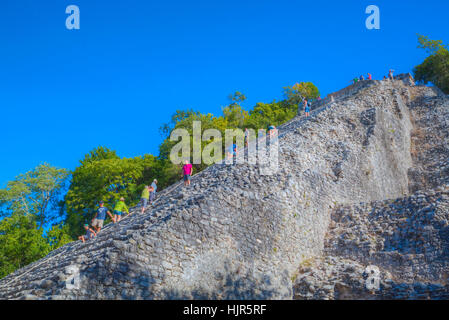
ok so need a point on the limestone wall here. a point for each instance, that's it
(356, 87)
(405, 238)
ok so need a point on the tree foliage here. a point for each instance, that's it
(208, 121)
(36, 193)
(31, 209)
(300, 91)
(236, 117)
(435, 68)
(21, 242)
(102, 175)
(274, 113)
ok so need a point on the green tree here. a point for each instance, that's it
(177, 117)
(265, 114)
(36, 193)
(237, 98)
(234, 114)
(102, 175)
(435, 68)
(431, 46)
(31, 207)
(21, 242)
(300, 91)
(58, 236)
(208, 121)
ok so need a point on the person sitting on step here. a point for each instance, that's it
(90, 234)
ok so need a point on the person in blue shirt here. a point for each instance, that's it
(307, 108)
(100, 216)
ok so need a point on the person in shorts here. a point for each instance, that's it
(144, 198)
(100, 216)
(153, 191)
(390, 74)
(187, 171)
(90, 234)
(120, 209)
(307, 108)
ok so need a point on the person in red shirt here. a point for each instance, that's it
(187, 171)
(370, 77)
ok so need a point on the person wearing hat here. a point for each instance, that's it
(100, 216)
(89, 234)
(120, 208)
(153, 192)
(271, 130)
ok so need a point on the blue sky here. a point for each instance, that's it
(133, 63)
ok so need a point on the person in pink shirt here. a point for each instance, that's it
(370, 77)
(187, 171)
